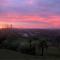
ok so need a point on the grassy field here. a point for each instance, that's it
(13, 55)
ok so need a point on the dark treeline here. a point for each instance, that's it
(53, 36)
(29, 39)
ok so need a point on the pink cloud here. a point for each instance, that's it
(16, 20)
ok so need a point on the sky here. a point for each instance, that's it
(30, 13)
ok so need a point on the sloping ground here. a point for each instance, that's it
(54, 51)
(13, 55)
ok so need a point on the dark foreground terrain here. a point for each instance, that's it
(13, 55)
(13, 42)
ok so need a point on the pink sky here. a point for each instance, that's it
(30, 13)
(24, 21)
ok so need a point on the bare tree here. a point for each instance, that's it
(43, 44)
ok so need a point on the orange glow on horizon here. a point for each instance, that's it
(4, 25)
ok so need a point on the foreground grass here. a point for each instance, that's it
(9, 54)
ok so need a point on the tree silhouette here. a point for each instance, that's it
(58, 41)
(43, 44)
